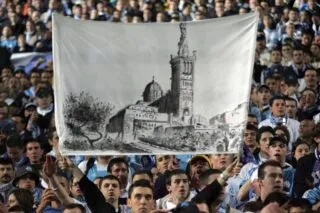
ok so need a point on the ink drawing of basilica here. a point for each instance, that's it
(165, 121)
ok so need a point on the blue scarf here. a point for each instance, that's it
(278, 120)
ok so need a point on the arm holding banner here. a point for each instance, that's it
(96, 203)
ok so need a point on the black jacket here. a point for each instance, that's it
(94, 198)
(303, 176)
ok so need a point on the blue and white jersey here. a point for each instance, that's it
(288, 179)
(312, 195)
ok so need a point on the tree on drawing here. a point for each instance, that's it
(86, 116)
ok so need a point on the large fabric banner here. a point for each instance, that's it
(152, 88)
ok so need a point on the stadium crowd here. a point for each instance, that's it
(278, 171)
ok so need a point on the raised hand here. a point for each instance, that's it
(49, 167)
(47, 196)
(232, 168)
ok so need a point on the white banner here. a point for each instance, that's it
(152, 88)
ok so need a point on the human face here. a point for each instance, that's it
(301, 150)
(264, 141)
(54, 141)
(276, 57)
(306, 39)
(293, 16)
(250, 138)
(75, 188)
(253, 121)
(310, 77)
(309, 97)
(306, 127)
(44, 102)
(278, 108)
(12, 200)
(271, 83)
(120, 170)
(110, 190)
(15, 153)
(179, 187)
(34, 152)
(3, 113)
(28, 112)
(34, 78)
(163, 163)
(220, 161)
(291, 108)
(297, 57)
(264, 96)
(19, 123)
(26, 182)
(6, 173)
(141, 200)
(287, 51)
(272, 180)
(278, 152)
(197, 167)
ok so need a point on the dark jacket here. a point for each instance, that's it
(94, 198)
(303, 177)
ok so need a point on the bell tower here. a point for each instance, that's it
(182, 77)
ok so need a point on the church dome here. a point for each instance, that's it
(152, 92)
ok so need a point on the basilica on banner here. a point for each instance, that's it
(168, 114)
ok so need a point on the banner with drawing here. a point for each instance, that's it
(182, 88)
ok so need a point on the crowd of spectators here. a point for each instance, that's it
(278, 171)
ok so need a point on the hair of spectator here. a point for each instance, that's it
(24, 198)
(175, 172)
(287, 98)
(74, 206)
(284, 129)
(300, 202)
(142, 172)
(115, 161)
(297, 143)
(14, 140)
(262, 130)
(139, 183)
(310, 69)
(308, 89)
(251, 127)
(274, 98)
(50, 133)
(35, 70)
(6, 161)
(263, 166)
(278, 197)
(253, 206)
(204, 176)
(278, 139)
(271, 77)
(252, 115)
(109, 177)
(32, 140)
